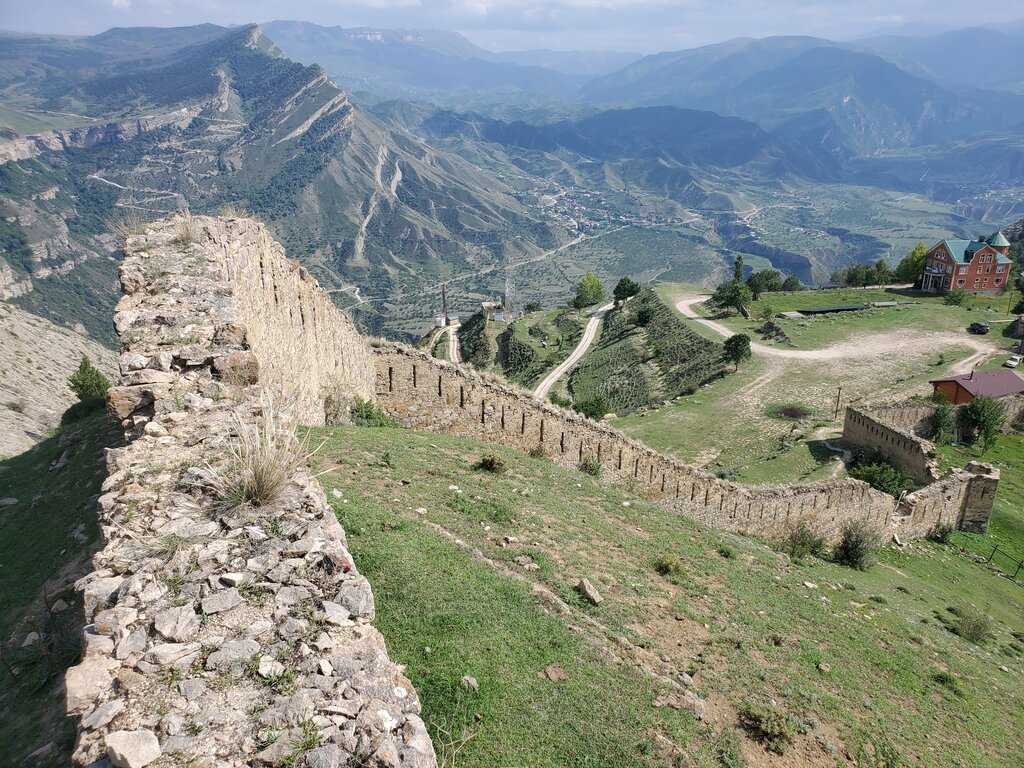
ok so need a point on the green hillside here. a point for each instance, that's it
(474, 575)
(645, 355)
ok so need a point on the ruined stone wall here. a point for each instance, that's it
(218, 635)
(424, 393)
(306, 348)
(911, 454)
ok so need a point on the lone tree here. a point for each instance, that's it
(732, 295)
(737, 269)
(88, 383)
(763, 281)
(737, 348)
(983, 417)
(625, 288)
(588, 292)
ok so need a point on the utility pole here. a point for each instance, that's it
(444, 303)
(839, 392)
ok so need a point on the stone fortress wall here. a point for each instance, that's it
(229, 637)
(425, 393)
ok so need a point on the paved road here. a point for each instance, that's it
(589, 334)
(865, 346)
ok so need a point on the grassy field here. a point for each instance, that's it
(924, 311)
(474, 574)
(550, 335)
(49, 533)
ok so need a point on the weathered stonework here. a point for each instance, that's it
(220, 636)
(425, 393)
(960, 499)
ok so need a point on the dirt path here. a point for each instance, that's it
(863, 347)
(589, 334)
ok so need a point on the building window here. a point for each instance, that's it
(960, 283)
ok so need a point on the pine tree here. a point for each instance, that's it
(88, 383)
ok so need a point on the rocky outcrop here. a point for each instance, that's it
(225, 634)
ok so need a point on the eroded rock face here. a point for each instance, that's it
(213, 629)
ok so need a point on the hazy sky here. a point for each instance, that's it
(639, 25)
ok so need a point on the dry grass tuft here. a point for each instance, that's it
(234, 211)
(126, 224)
(266, 455)
(186, 229)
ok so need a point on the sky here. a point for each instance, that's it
(644, 26)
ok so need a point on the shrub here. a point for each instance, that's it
(368, 414)
(955, 298)
(537, 452)
(883, 477)
(727, 750)
(643, 317)
(88, 383)
(857, 545)
(943, 423)
(726, 551)
(561, 402)
(973, 626)
(790, 411)
(773, 729)
(669, 565)
(947, 680)
(802, 542)
(532, 306)
(593, 408)
(590, 466)
(264, 457)
(490, 463)
(941, 533)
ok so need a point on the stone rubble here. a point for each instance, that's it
(215, 636)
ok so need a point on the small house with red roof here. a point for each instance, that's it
(962, 389)
(975, 266)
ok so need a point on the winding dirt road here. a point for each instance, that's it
(589, 334)
(862, 347)
(453, 343)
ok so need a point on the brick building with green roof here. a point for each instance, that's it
(976, 266)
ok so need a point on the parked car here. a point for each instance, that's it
(1013, 361)
(979, 328)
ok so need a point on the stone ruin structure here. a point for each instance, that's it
(222, 636)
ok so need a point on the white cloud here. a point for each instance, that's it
(122, 4)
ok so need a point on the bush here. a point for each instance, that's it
(727, 750)
(974, 626)
(643, 317)
(538, 452)
(802, 542)
(941, 533)
(490, 463)
(790, 411)
(857, 545)
(773, 729)
(669, 566)
(726, 551)
(590, 465)
(947, 680)
(532, 306)
(88, 383)
(593, 408)
(561, 402)
(368, 414)
(955, 298)
(944, 423)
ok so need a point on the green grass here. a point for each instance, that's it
(739, 625)
(52, 526)
(927, 312)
